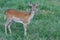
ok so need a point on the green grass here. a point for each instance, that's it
(44, 26)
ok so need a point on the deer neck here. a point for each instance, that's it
(32, 13)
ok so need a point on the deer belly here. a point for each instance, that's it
(17, 20)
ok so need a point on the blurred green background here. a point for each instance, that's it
(44, 26)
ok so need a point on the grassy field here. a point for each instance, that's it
(44, 26)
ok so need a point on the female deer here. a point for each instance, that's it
(21, 17)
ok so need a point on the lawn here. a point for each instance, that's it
(44, 26)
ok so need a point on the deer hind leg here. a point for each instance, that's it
(6, 25)
(25, 29)
(9, 26)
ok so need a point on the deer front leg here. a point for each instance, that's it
(25, 29)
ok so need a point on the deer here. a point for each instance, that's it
(21, 17)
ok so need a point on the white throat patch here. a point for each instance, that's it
(31, 16)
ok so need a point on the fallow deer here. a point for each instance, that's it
(21, 17)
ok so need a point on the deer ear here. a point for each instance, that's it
(30, 4)
(37, 4)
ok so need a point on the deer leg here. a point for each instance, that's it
(9, 26)
(25, 29)
(6, 28)
(6, 25)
